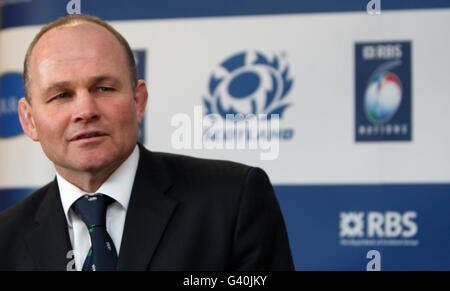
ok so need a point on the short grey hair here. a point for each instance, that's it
(74, 20)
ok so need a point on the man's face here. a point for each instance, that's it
(84, 111)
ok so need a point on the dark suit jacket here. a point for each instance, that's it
(184, 214)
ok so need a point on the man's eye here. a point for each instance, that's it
(61, 96)
(104, 89)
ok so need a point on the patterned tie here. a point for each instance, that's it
(102, 255)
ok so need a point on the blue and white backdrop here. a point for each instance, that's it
(362, 89)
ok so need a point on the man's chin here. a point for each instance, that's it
(91, 164)
(96, 165)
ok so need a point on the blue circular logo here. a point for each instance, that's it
(383, 97)
(11, 90)
(248, 83)
(244, 85)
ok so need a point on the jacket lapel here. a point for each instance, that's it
(49, 241)
(148, 213)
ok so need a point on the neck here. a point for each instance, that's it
(86, 181)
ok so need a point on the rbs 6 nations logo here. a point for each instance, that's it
(383, 91)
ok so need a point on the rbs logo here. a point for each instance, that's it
(374, 224)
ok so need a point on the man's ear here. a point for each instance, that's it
(26, 119)
(140, 97)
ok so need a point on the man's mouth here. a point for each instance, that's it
(87, 135)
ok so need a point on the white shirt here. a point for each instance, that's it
(118, 186)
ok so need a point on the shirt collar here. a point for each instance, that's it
(117, 186)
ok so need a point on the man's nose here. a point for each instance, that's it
(85, 108)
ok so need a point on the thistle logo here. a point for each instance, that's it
(11, 90)
(248, 92)
(383, 91)
(248, 83)
(244, 104)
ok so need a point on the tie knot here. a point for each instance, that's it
(92, 209)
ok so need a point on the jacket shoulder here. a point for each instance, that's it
(22, 214)
(211, 179)
(201, 167)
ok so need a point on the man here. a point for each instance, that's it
(152, 211)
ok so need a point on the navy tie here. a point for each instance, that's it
(102, 255)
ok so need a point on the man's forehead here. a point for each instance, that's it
(63, 45)
(53, 74)
(75, 40)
